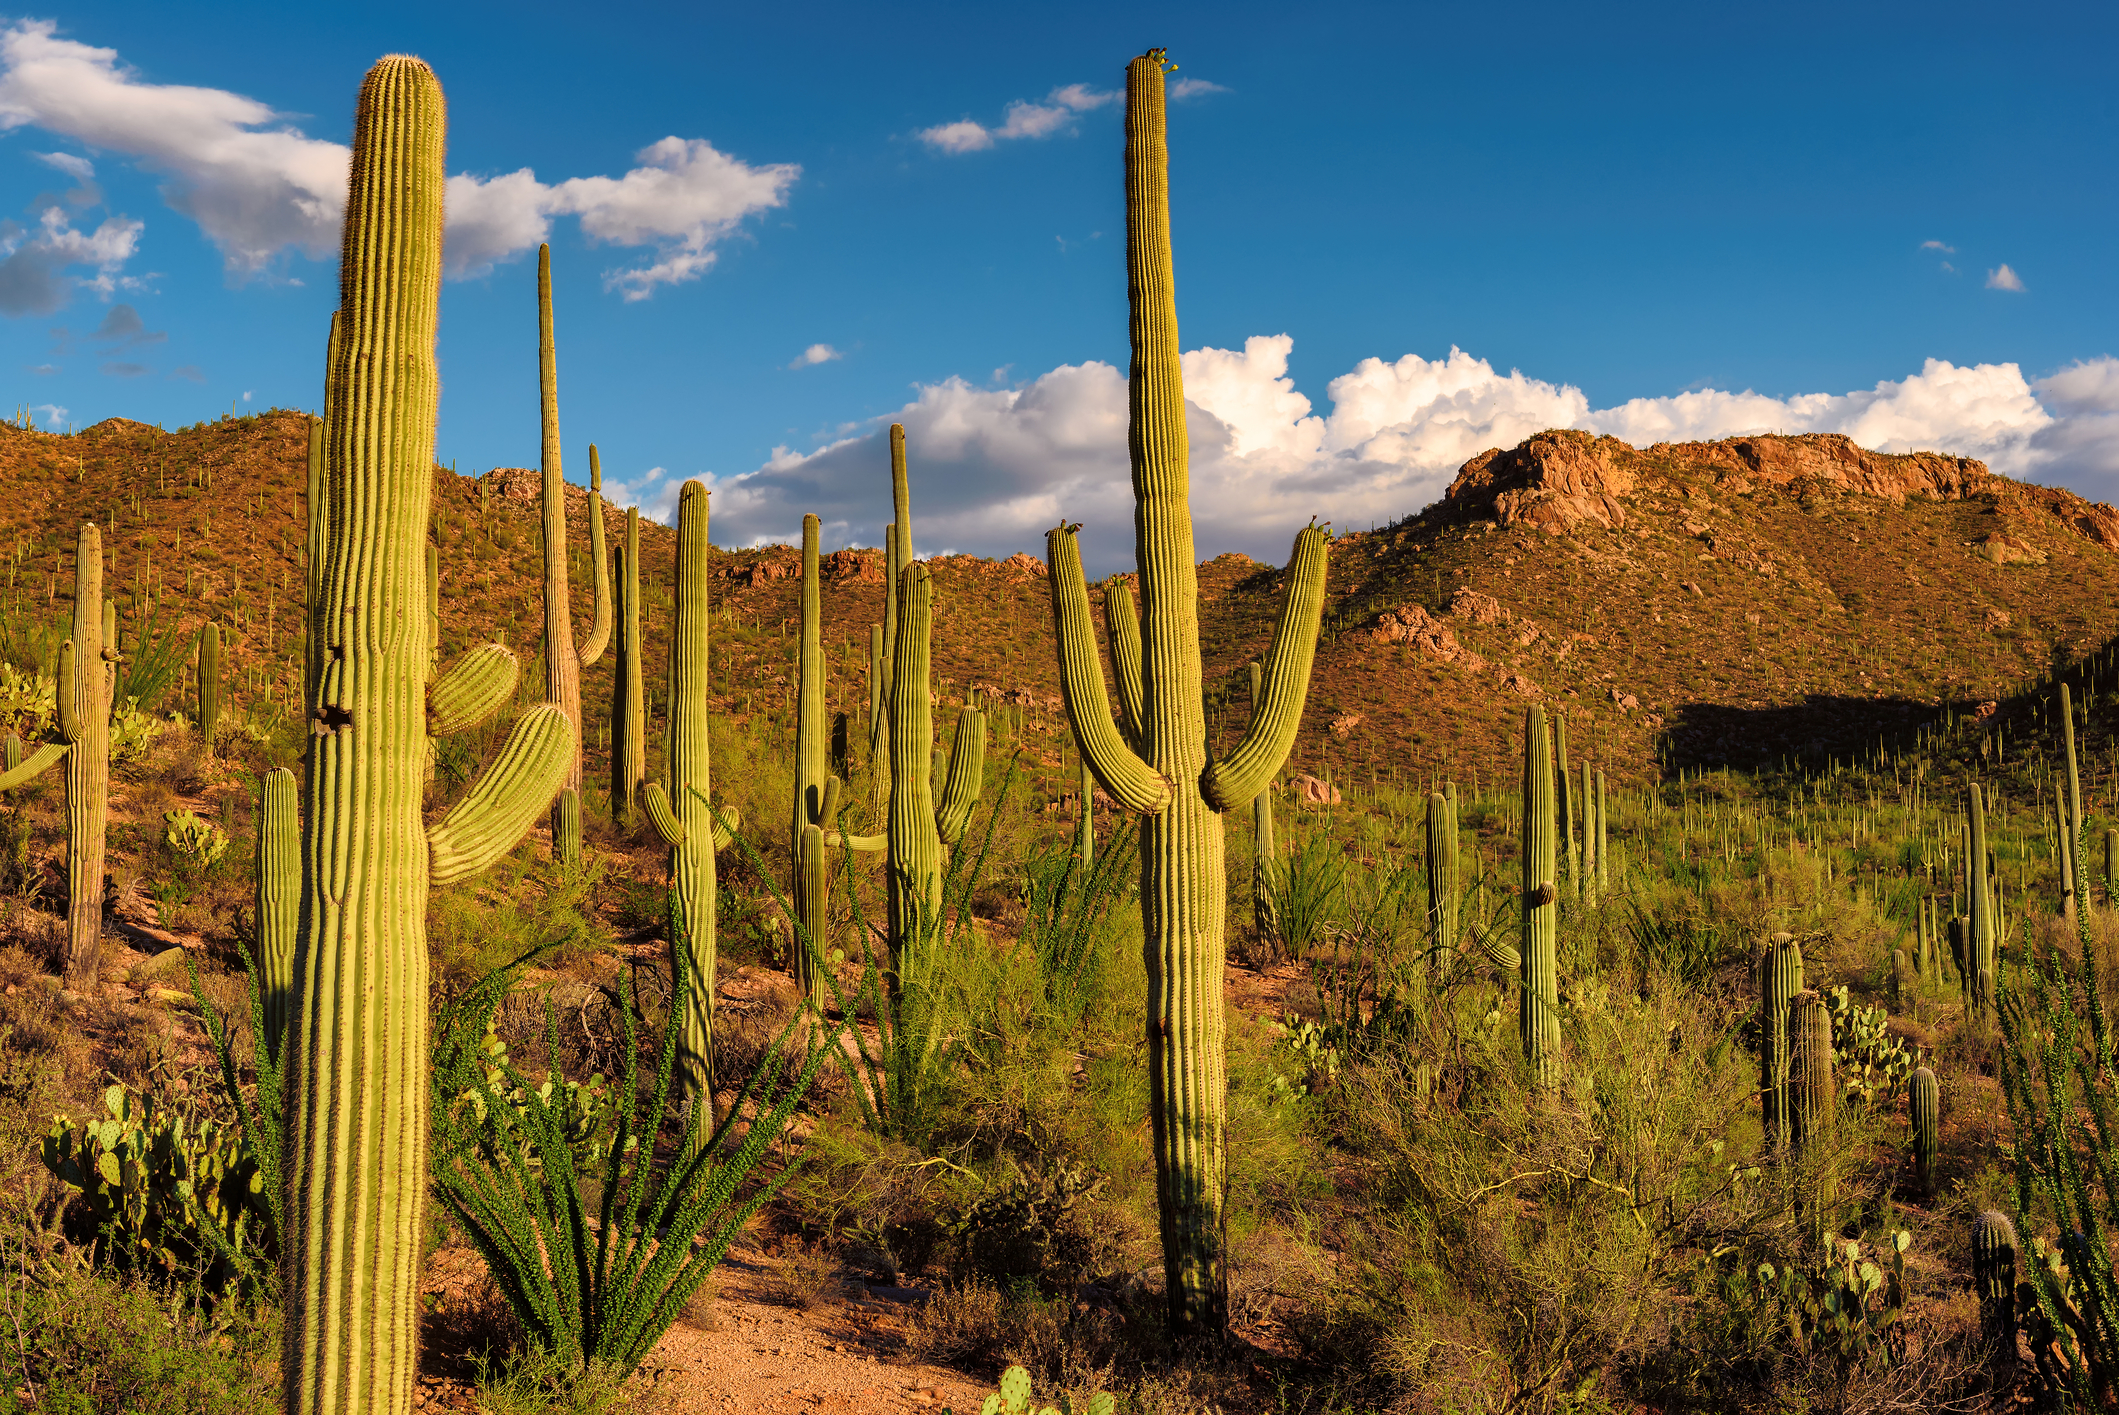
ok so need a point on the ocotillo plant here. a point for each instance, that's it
(1441, 876)
(1780, 979)
(1979, 969)
(88, 673)
(358, 1059)
(209, 674)
(1538, 1015)
(1160, 768)
(1811, 1095)
(1265, 853)
(628, 690)
(1924, 1111)
(279, 901)
(563, 661)
(680, 806)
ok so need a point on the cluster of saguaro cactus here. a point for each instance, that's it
(357, 1055)
(208, 670)
(1780, 978)
(1157, 764)
(1924, 1115)
(563, 659)
(1538, 1016)
(88, 672)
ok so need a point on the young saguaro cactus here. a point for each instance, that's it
(1924, 1112)
(1538, 1018)
(209, 673)
(87, 678)
(628, 687)
(1979, 970)
(357, 1058)
(279, 900)
(1158, 765)
(1568, 845)
(1265, 852)
(563, 660)
(1441, 875)
(1994, 1279)
(1780, 979)
(1811, 1094)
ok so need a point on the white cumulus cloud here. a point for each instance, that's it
(2004, 279)
(816, 354)
(1022, 119)
(994, 468)
(259, 187)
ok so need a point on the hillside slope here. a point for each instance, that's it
(1730, 601)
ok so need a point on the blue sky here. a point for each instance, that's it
(1884, 220)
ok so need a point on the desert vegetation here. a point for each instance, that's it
(1289, 992)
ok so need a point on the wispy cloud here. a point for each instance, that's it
(1191, 88)
(259, 187)
(1938, 246)
(2003, 278)
(1022, 119)
(41, 266)
(53, 413)
(190, 373)
(816, 354)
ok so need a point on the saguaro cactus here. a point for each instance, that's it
(1780, 979)
(1603, 838)
(356, 1080)
(279, 900)
(812, 892)
(919, 825)
(680, 806)
(1085, 827)
(2074, 888)
(1924, 1111)
(1538, 1017)
(1265, 852)
(1994, 1279)
(628, 690)
(1590, 860)
(1441, 875)
(1568, 845)
(563, 661)
(1811, 1094)
(209, 674)
(1158, 766)
(1979, 969)
(87, 678)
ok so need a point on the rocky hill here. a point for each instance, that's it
(1736, 601)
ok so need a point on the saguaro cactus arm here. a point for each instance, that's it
(1122, 623)
(1128, 780)
(36, 764)
(1244, 772)
(600, 624)
(521, 782)
(472, 689)
(967, 770)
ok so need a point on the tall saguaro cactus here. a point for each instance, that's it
(1979, 963)
(1811, 1093)
(1924, 1112)
(87, 678)
(1158, 764)
(628, 688)
(563, 660)
(814, 788)
(1442, 902)
(2074, 889)
(1780, 979)
(1539, 1014)
(919, 824)
(1568, 845)
(209, 674)
(357, 1058)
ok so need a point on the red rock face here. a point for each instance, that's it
(1553, 481)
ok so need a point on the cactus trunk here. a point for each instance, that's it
(1994, 1281)
(812, 878)
(1265, 851)
(1780, 979)
(1085, 828)
(1979, 970)
(628, 695)
(1924, 1110)
(358, 1077)
(87, 680)
(279, 901)
(1538, 1017)
(1811, 1095)
(1441, 877)
(689, 768)
(209, 674)
(1568, 844)
(1589, 839)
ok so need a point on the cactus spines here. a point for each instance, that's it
(1780, 979)
(1979, 970)
(1924, 1113)
(1811, 1093)
(1441, 875)
(628, 688)
(1165, 772)
(357, 1052)
(472, 689)
(279, 901)
(1265, 853)
(1538, 1019)
(1994, 1278)
(563, 659)
(209, 673)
